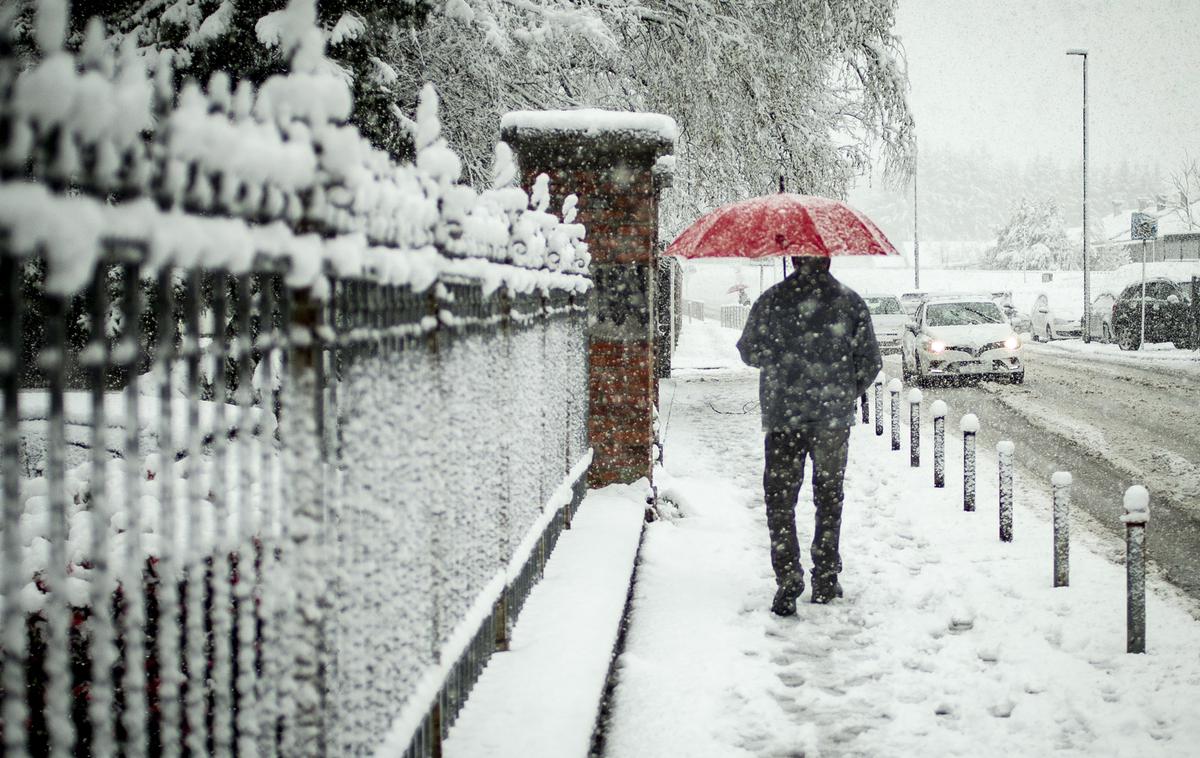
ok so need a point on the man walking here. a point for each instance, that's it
(812, 337)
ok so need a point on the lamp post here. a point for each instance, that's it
(1086, 321)
(916, 240)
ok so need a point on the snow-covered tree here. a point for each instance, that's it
(1033, 238)
(761, 89)
(1184, 202)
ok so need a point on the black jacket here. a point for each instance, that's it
(813, 339)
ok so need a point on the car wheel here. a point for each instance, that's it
(1129, 340)
(1036, 338)
(905, 372)
(1018, 378)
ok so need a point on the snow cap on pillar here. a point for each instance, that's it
(588, 135)
(895, 386)
(915, 395)
(969, 424)
(938, 409)
(1137, 505)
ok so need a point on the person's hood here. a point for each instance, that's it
(971, 334)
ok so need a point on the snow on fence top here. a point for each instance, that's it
(593, 121)
(215, 175)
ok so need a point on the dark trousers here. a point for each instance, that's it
(782, 477)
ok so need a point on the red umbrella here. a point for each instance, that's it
(781, 224)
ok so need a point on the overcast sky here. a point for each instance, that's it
(994, 73)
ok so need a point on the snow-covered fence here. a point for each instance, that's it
(288, 429)
(734, 316)
(695, 309)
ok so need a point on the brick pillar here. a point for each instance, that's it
(611, 160)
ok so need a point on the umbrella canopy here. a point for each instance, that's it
(735, 288)
(778, 225)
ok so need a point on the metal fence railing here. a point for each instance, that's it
(282, 451)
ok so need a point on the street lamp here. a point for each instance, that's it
(1086, 321)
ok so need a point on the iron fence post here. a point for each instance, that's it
(1137, 515)
(914, 427)
(970, 427)
(894, 388)
(938, 411)
(1061, 483)
(1004, 454)
(879, 405)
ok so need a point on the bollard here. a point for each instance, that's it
(914, 427)
(938, 411)
(866, 409)
(1137, 513)
(970, 427)
(879, 403)
(1004, 452)
(894, 387)
(1061, 482)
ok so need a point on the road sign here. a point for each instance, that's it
(1143, 226)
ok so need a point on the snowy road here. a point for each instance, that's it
(1111, 422)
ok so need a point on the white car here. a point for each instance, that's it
(956, 337)
(1052, 318)
(888, 319)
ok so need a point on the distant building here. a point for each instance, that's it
(1178, 233)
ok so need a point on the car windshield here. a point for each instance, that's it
(883, 306)
(962, 314)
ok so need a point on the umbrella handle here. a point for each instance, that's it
(781, 189)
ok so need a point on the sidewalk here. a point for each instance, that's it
(948, 642)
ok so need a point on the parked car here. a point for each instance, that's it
(1170, 314)
(1020, 321)
(1102, 312)
(956, 337)
(888, 319)
(910, 300)
(1054, 318)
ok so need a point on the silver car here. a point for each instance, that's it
(888, 319)
(956, 337)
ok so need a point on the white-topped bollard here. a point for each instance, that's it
(1061, 484)
(938, 411)
(894, 388)
(879, 380)
(1137, 514)
(1004, 456)
(914, 427)
(970, 427)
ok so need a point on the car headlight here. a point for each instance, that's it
(937, 346)
(1011, 342)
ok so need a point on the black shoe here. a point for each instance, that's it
(785, 599)
(821, 595)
